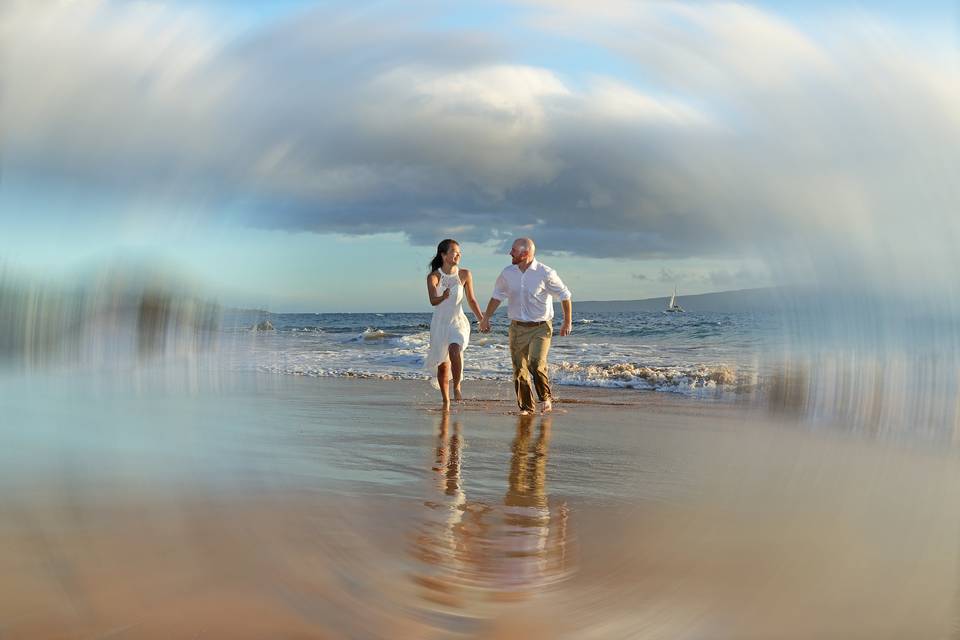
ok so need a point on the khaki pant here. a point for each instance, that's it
(528, 351)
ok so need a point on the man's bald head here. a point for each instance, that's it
(522, 251)
(525, 244)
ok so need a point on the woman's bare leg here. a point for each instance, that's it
(443, 380)
(456, 364)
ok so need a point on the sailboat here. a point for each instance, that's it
(673, 307)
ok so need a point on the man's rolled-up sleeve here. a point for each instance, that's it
(556, 288)
(500, 290)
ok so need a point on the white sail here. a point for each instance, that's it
(673, 306)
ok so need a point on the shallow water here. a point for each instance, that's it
(686, 353)
(156, 505)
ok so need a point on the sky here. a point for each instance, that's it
(309, 156)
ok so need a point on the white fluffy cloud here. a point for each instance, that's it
(733, 132)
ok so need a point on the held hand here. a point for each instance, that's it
(484, 325)
(566, 329)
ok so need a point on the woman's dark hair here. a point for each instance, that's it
(442, 248)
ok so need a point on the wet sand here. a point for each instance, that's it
(160, 506)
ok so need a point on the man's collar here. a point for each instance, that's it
(533, 265)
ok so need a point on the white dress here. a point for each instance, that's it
(448, 326)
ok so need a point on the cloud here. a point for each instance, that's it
(669, 275)
(742, 278)
(747, 135)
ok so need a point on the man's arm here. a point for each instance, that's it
(500, 291)
(556, 287)
(485, 321)
(567, 326)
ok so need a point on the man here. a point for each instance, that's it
(530, 287)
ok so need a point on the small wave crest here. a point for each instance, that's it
(338, 372)
(637, 376)
(307, 330)
(263, 325)
(372, 334)
(412, 341)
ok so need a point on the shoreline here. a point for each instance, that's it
(497, 395)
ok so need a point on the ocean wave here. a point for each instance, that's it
(412, 341)
(637, 376)
(602, 353)
(372, 334)
(690, 380)
(389, 328)
(324, 372)
(316, 371)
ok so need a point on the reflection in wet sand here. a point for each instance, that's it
(535, 542)
(303, 509)
(473, 554)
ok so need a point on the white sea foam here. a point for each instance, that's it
(680, 379)
(395, 348)
(371, 334)
(401, 358)
(413, 341)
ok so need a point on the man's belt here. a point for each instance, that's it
(520, 323)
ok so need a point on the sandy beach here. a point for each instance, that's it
(240, 239)
(160, 506)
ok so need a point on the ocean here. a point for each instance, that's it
(883, 373)
(704, 354)
(864, 362)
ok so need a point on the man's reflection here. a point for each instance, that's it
(534, 540)
(474, 552)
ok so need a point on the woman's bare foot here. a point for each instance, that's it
(445, 406)
(457, 395)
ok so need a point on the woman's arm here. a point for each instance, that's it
(433, 281)
(471, 299)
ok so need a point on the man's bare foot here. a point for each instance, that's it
(546, 406)
(457, 395)
(525, 412)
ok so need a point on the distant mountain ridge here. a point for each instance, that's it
(741, 300)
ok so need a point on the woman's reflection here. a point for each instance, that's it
(443, 541)
(471, 552)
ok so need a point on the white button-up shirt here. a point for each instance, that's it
(531, 292)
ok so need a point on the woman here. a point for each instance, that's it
(449, 329)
